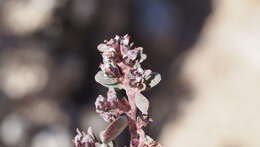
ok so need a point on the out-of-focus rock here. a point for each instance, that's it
(24, 17)
(52, 137)
(23, 71)
(224, 72)
(13, 129)
(43, 112)
(83, 11)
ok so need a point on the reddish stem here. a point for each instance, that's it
(132, 115)
(131, 98)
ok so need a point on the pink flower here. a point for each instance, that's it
(85, 140)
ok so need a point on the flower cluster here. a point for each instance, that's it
(111, 107)
(85, 140)
(120, 59)
(121, 70)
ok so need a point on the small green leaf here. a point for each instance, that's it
(97, 144)
(114, 129)
(142, 103)
(102, 47)
(102, 79)
(143, 57)
(111, 144)
(102, 145)
(152, 80)
(150, 142)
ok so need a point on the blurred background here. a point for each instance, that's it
(207, 52)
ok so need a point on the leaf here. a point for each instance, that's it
(102, 47)
(111, 144)
(142, 103)
(152, 80)
(150, 142)
(143, 57)
(102, 145)
(102, 79)
(114, 129)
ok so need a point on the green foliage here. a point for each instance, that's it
(106, 81)
(142, 103)
(114, 129)
(152, 80)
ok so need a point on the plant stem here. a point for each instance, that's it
(131, 92)
(132, 115)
